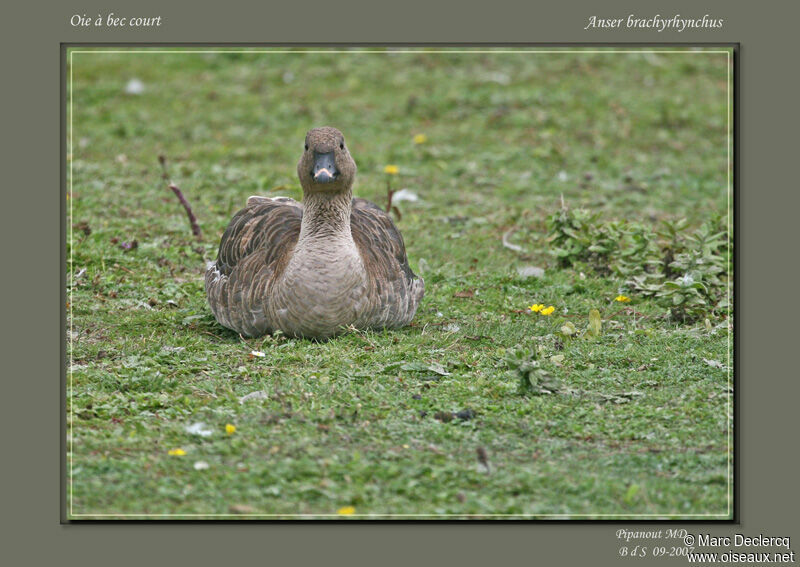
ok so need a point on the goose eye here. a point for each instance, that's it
(341, 145)
(306, 146)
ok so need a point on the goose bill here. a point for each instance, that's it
(324, 168)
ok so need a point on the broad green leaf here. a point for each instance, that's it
(595, 324)
(568, 329)
(632, 491)
(414, 367)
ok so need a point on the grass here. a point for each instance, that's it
(642, 423)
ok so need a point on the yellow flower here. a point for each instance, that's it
(230, 429)
(547, 310)
(536, 307)
(176, 452)
(622, 298)
(391, 170)
(346, 511)
(420, 139)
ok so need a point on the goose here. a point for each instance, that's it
(315, 268)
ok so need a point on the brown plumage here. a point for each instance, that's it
(313, 269)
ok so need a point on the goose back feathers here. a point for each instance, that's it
(315, 268)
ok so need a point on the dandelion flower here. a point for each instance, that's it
(346, 511)
(622, 298)
(230, 429)
(176, 452)
(536, 307)
(547, 310)
(420, 139)
(391, 169)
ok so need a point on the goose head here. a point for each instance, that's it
(326, 165)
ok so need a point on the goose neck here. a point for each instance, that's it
(326, 214)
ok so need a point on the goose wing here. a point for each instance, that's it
(254, 249)
(384, 254)
(266, 225)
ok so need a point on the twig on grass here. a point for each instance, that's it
(506, 235)
(389, 194)
(213, 335)
(483, 459)
(178, 193)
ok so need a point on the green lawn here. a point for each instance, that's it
(641, 422)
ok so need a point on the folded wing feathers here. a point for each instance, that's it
(252, 249)
(397, 288)
(268, 225)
